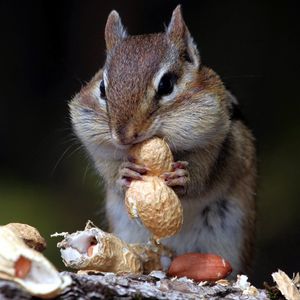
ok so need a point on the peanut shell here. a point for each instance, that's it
(94, 249)
(28, 267)
(155, 154)
(157, 206)
(29, 235)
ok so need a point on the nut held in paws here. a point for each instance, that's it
(155, 154)
(156, 205)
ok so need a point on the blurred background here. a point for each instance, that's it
(50, 49)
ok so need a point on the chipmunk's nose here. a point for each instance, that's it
(126, 135)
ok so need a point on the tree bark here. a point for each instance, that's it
(111, 286)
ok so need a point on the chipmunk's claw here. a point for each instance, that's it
(129, 171)
(178, 178)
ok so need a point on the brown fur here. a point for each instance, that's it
(196, 123)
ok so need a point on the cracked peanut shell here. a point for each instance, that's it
(27, 267)
(29, 235)
(94, 249)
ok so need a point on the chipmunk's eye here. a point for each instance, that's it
(102, 89)
(166, 84)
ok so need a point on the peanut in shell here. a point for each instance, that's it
(150, 199)
(155, 154)
(157, 206)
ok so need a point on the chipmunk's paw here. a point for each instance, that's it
(129, 171)
(178, 178)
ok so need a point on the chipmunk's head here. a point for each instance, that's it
(154, 84)
(142, 74)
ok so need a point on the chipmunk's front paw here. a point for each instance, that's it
(129, 171)
(178, 178)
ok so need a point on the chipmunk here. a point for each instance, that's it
(155, 85)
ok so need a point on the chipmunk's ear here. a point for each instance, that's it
(179, 34)
(114, 30)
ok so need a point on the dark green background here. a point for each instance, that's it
(49, 49)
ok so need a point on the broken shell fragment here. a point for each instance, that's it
(155, 154)
(94, 249)
(157, 206)
(153, 256)
(28, 267)
(29, 235)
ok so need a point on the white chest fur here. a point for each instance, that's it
(207, 228)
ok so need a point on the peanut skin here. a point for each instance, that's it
(22, 267)
(200, 267)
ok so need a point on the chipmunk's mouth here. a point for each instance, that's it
(127, 136)
(126, 145)
(123, 146)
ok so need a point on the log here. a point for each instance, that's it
(153, 286)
